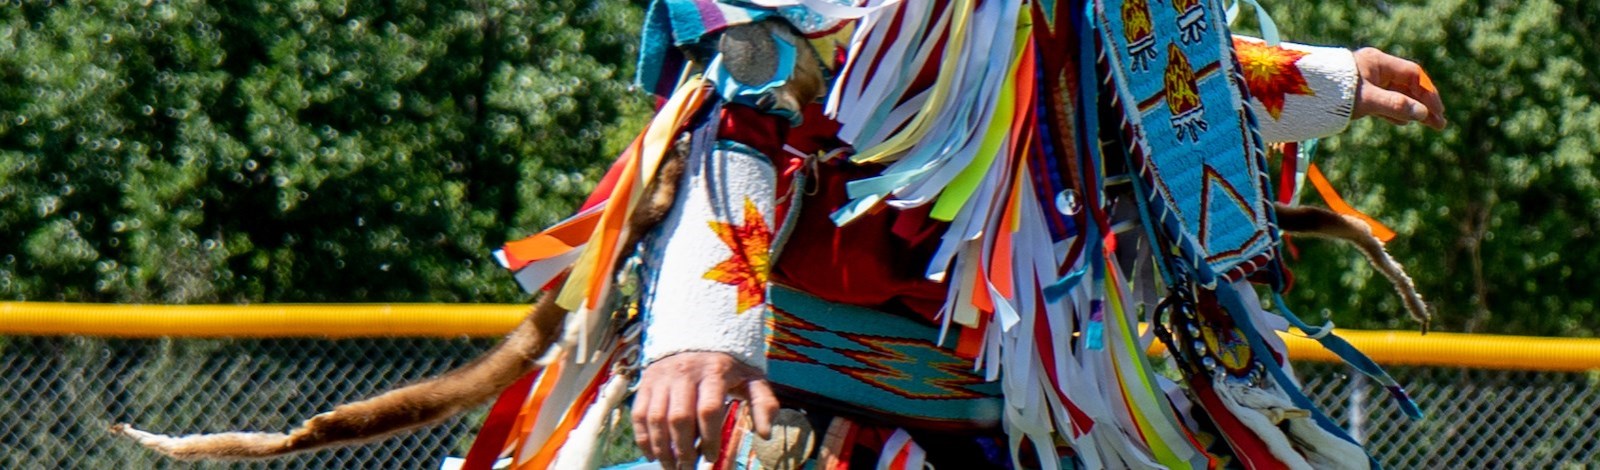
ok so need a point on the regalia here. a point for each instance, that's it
(977, 216)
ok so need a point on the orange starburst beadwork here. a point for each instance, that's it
(748, 267)
(1271, 73)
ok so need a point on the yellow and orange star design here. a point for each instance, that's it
(749, 266)
(1271, 73)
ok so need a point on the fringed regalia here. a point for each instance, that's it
(963, 248)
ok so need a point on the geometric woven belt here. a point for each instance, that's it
(876, 366)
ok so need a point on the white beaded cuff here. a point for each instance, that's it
(706, 279)
(1298, 92)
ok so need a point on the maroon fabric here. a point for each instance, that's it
(761, 131)
(816, 133)
(877, 261)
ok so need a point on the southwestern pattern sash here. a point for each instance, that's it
(1195, 145)
(879, 366)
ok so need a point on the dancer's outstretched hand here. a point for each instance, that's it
(1397, 90)
(683, 397)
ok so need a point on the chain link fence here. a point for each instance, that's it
(58, 396)
(1475, 419)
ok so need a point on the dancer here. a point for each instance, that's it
(860, 206)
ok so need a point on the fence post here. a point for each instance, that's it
(1356, 410)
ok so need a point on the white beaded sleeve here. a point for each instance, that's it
(708, 264)
(1298, 92)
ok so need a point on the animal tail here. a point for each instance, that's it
(414, 406)
(1319, 222)
(433, 400)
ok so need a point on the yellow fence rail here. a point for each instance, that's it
(259, 321)
(489, 320)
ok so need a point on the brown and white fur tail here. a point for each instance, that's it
(430, 401)
(414, 406)
(1319, 222)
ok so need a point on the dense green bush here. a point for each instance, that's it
(1499, 216)
(321, 150)
(311, 150)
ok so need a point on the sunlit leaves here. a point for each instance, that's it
(313, 150)
(1498, 214)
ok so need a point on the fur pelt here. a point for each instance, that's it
(432, 400)
(1323, 223)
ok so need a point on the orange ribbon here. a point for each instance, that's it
(1338, 205)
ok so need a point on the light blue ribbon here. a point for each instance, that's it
(1269, 28)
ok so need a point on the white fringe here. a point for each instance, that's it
(582, 446)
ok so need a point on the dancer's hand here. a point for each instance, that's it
(1396, 90)
(682, 397)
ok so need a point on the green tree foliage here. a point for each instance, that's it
(1499, 216)
(322, 150)
(305, 150)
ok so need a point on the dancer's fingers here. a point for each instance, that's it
(712, 411)
(763, 406)
(1382, 71)
(659, 428)
(1424, 91)
(1394, 106)
(682, 422)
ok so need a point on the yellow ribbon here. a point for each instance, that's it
(588, 282)
(919, 125)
